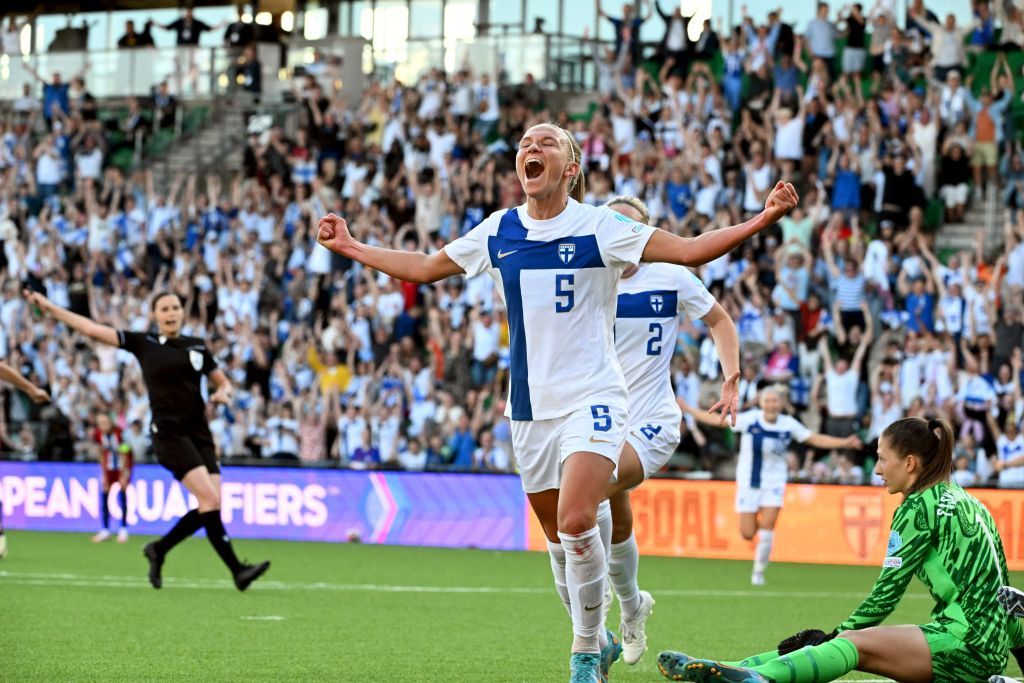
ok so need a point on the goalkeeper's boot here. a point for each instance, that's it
(610, 654)
(249, 573)
(634, 636)
(1002, 679)
(677, 666)
(585, 667)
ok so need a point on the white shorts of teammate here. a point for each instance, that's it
(654, 443)
(769, 495)
(541, 446)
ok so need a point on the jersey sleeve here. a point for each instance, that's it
(694, 298)
(470, 252)
(799, 431)
(132, 342)
(209, 363)
(744, 420)
(621, 239)
(910, 540)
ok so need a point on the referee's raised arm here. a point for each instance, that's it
(90, 328)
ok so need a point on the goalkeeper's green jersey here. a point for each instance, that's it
(948, 539)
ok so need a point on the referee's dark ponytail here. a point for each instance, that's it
(160, 295)
(931, 441)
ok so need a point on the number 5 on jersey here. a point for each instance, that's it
(565, 297)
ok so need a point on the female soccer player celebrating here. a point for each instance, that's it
(9, 375)
(651, 299)
(939, 533)
(558, 263)
(765, 436)
(172, 367)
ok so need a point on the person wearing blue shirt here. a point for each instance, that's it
(462, 445)
(55, 93)
(919, 302)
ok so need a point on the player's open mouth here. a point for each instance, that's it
(533, 168)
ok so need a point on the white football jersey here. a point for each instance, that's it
(763, 447)
(646, 327)
(559, 280)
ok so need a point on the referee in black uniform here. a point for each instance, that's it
(172, 367)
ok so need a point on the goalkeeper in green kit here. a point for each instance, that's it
(940, 534)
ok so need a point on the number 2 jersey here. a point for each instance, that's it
(947, 539)
(559, 279)
(763, 447)
(646, 326)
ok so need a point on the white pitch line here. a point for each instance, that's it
(269, 617)
(86, 580)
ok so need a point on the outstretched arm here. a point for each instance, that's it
(664, 247)
(727, 344)
(79, 323)
(14, 378)
(404, 265)
(826, 442)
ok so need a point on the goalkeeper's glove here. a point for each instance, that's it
(810, 637)
(1011, 600)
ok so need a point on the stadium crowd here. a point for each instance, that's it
(847, 304)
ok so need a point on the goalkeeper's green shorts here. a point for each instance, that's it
(954, 661)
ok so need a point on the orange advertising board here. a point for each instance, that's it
(818, 524)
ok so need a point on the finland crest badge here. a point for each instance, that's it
(657, 302)
(196, 358)
(566, 250)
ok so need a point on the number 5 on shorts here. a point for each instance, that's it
(602, 418)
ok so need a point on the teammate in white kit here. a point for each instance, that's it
(765, 436)
(557, 264)
(651, 299)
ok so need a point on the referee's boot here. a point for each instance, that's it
(249, 573)
(156, 563)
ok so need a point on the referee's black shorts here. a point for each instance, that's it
(183, 450)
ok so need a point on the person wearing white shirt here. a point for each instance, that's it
(842, 384)
(557, 263)
(651, 299)
(413, 458)
(762, 469)
(1009, 461)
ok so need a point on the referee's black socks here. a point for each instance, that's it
(187, 524)
(219, 539)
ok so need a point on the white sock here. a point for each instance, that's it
(586, 571)
(622, 571)
(604, 525)
(764, 550)
(557, 554)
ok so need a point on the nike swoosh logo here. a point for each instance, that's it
(588, 608)
(593, 440)
(507, 253)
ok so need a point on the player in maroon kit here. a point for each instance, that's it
(116, 464)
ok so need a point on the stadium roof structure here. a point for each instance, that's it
(22, 7)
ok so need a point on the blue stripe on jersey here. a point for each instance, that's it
(511, 253)
(653, 304)
(759, 434)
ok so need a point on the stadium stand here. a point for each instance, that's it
(901, 133)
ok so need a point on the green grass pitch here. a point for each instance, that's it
(74, 611)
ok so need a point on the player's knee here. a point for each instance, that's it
(576, 521)
(209, 500)
(748, 534)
